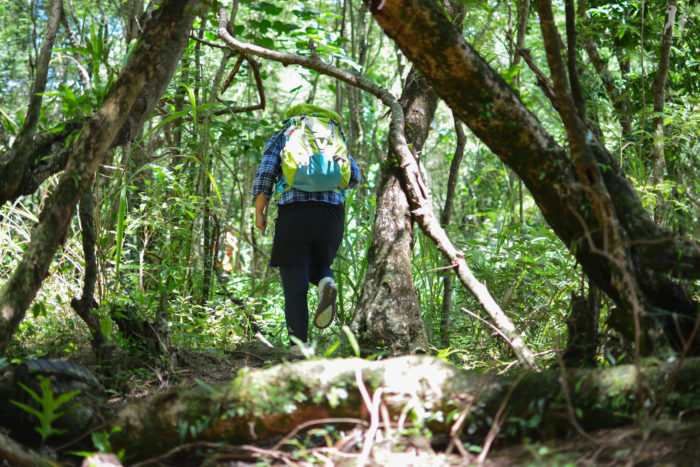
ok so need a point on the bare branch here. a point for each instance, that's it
(572, 65)
(255, 66)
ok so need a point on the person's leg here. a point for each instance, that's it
(295, 283)
(322, 276)
(324, 247)
(316, 273)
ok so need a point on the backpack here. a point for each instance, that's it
(314, 157)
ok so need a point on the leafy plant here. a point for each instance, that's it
(50, 406)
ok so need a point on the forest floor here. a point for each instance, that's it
(666, 442)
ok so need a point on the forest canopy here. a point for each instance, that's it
(529, 196)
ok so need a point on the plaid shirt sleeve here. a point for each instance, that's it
(270, 168)
(355, 175)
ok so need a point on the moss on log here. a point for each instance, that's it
(271, 402)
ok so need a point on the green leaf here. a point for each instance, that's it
(27, 408)
(270, 8)
(331, 349)
(106, 326)
(65, 397)
(216, 188)
(165, 121)
(353, 341)
(30, 391)
(193, 103)
(10, 125)
(265, 42)
(38, 309)
(120, 228)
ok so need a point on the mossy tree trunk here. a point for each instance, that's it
(273, 402)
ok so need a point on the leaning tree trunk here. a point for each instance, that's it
(88, 151)
(481, 98)
(268, 403)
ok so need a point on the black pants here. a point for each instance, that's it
(307, 238)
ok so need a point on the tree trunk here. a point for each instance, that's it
(84, 306)
(445, 219)
(582, 327)
(658, 160)
(388, 313)
(88, 151)
(481, 98)
(272, 402)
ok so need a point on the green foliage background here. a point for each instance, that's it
(197, 158)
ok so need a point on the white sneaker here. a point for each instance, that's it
(301, 351)
(325, 311)
(296, 350)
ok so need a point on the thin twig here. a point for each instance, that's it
(320, 421)
(207, 43)
(497, 421)
(457, 426)
(488, 324)
(442, 268)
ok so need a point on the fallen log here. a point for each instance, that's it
(16, 454)
(416, 390)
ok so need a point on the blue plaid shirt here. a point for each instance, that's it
(270, 172)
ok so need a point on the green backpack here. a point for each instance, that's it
(314, 157)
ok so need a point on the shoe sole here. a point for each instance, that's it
(326, 306)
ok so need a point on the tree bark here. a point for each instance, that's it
(658, 161)
(582, 327)
(84, 306)
(388, 314)
(87, 153)
(445, 219)
(272, 402)
(481, 98)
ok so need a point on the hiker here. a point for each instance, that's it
(307, 166)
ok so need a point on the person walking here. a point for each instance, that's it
(307, 166)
